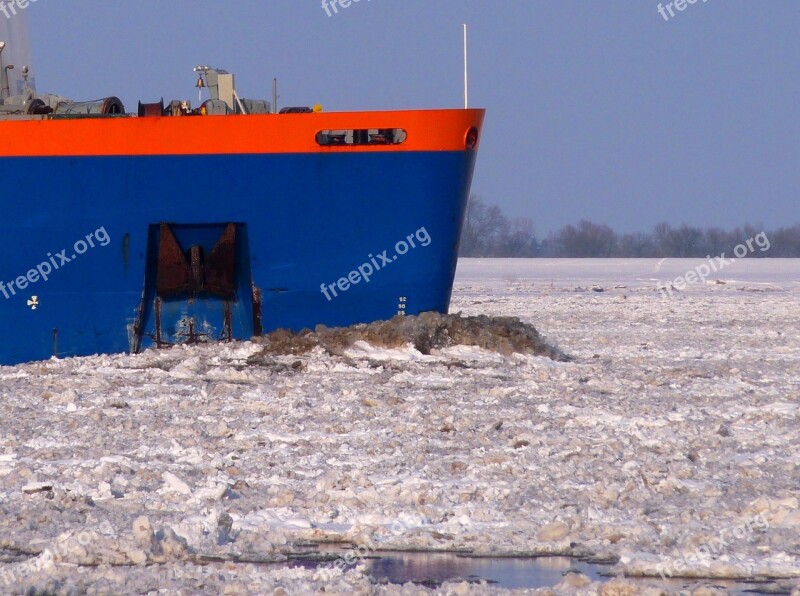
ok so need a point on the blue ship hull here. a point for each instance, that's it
(301, 229)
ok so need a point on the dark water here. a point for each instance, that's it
(433, 569)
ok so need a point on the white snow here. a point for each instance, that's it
(671, 441)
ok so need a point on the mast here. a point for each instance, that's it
(466, 71)
(4, 90)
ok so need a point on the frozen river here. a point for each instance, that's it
(669, 446)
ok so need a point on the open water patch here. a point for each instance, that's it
(433, 569)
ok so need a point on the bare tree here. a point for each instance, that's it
(785, 242)
(587, 240)
(488, 233)
(637, 245)
(482, 225)
(517, 239)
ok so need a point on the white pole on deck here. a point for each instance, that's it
(466, 71)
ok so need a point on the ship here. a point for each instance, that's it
(177, 224)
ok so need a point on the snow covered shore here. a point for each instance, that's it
(671, 442)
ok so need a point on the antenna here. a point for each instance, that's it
(466, 71)
(5, 89)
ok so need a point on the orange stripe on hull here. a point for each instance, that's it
(428, 130)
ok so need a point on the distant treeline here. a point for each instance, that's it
(489, 233)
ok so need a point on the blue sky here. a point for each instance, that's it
(597, 110)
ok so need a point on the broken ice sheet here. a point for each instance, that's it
(675, 422)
